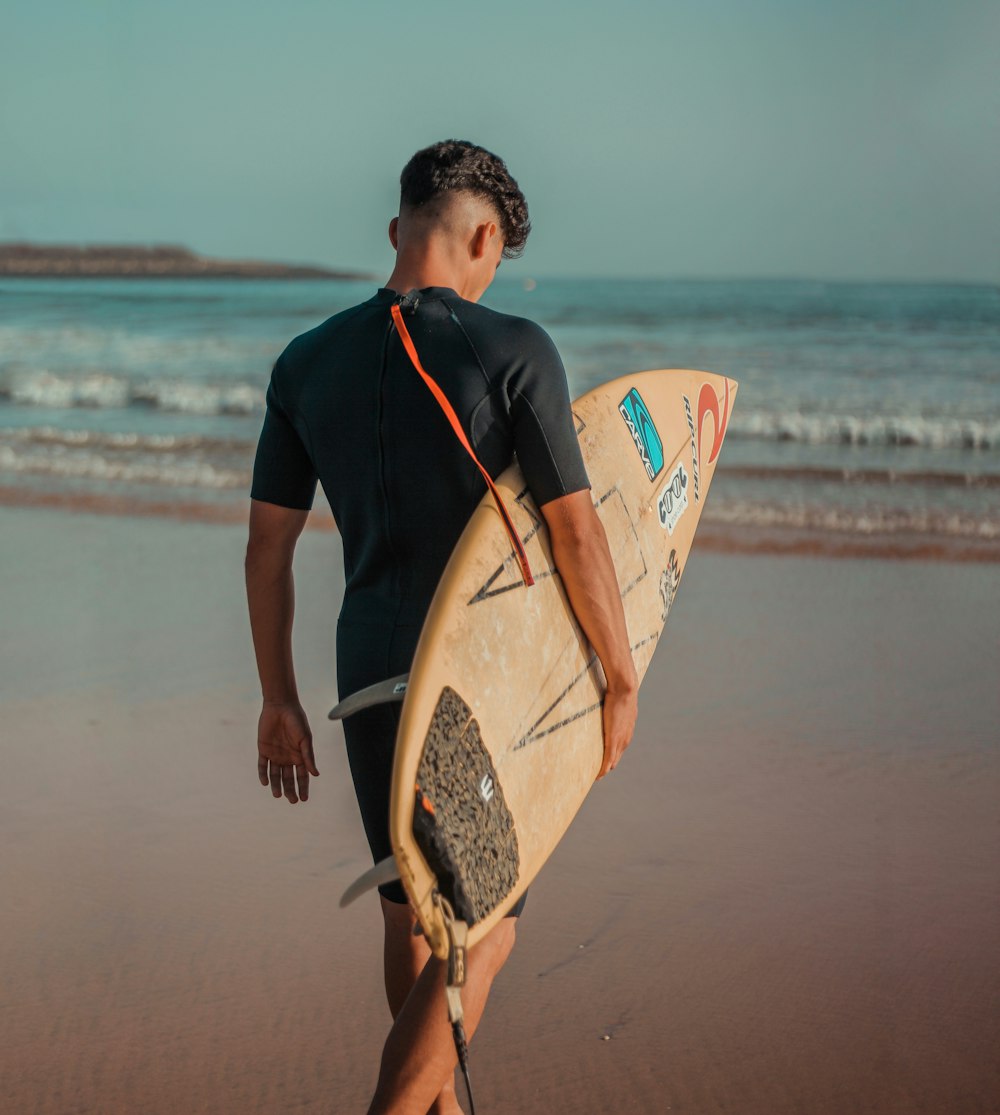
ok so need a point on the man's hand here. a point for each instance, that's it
(285, 750)
(620, 711)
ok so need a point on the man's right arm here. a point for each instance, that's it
(284, 742)
(583, 558)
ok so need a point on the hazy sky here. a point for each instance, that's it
(704, 138)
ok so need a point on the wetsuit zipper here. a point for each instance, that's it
(397, 588)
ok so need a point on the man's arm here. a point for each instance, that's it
(284, 741)
(583, 559)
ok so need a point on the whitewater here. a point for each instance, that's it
(864, 408)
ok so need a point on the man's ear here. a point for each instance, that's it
(394, 232)
(481, 239)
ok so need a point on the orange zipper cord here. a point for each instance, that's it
(456, 425)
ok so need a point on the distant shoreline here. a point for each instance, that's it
(24, 260)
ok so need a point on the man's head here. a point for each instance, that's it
(436, 177)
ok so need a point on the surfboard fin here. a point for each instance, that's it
(382, 693)
(385, 871)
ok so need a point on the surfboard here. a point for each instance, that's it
(501, 734)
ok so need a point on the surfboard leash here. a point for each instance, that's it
(458, 935)
(456, 425)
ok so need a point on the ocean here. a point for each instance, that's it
(865, 409)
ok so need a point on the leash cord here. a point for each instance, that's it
(456, 425)
(458, 933)
(462, 1049)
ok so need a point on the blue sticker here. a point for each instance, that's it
(640, 426)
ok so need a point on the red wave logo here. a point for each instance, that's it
(708, 403)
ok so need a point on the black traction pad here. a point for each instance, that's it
(461, 822)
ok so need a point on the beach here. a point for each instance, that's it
(785, 900)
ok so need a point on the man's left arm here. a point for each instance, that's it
(284, 741)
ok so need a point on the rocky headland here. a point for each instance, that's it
(139, 261)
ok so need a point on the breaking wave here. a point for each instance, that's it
(104, 391)
(100, 390)
(118, 458)
(884, 430)
(56, 438)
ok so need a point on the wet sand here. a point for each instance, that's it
(714, 536)
(786, 900)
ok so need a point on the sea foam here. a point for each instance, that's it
(104, 391)
(928, 432)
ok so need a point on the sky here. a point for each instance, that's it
(692, 139)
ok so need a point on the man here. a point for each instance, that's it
(345, 405)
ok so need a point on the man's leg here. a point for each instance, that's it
(418, 1061)
(405, 957)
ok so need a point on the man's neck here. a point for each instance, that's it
(427, 267)
(404, 279)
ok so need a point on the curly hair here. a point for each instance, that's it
(457, 165)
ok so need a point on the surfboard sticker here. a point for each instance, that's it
(669, 580)
(689, 418)
(708, 404)
(673, 499)
(643, 430)
(461, 821)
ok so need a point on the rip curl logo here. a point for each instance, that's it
(708, 404)
(643, 431)
(694, 444)
(673, 499)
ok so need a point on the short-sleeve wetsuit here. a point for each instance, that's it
(346, 406)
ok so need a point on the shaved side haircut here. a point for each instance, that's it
(457, 166)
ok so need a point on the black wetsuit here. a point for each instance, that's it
(346, 406)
